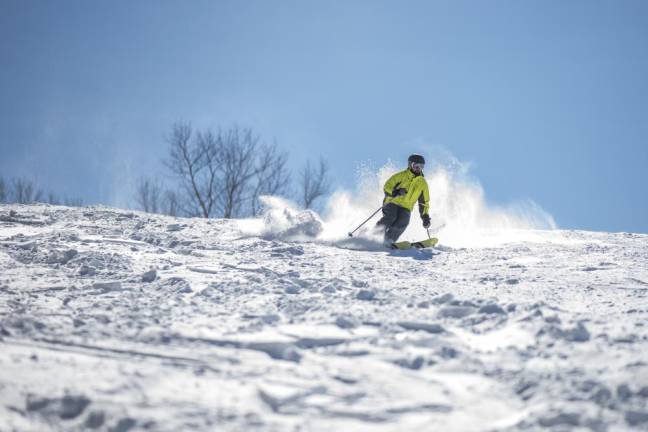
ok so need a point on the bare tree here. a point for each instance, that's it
(148, 195)
(314, 183)
(195, 163)
(3, 191)
(39, 196)
(52, 199)
(73, 202)
(23, 190)
(272, 176)
(171, 203)
(211, 150)
(223, 174)
(238, 168)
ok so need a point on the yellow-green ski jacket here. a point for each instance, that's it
(417, 190)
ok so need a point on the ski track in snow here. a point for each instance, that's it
(118, 320)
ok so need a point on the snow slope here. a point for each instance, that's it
(118, 320)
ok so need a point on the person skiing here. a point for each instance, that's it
(402, 191)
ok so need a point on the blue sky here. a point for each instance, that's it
(547, 100)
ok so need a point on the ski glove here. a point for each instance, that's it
(399, 192)
(426, 221)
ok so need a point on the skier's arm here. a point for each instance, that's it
(391, 184)
(424, 201)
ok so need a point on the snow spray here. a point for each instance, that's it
(457, 205)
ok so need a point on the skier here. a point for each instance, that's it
(402, 191)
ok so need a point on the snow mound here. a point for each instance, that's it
(282, 220)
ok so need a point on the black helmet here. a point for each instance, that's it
(415, 158)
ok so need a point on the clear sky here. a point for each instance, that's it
(547, 100)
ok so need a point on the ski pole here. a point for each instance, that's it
(435, 229)
(367, 220)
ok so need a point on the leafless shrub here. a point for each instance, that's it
(272, 176)
(23, 191)
(224, 174)
(171, 203)
(39, 196)
(238, 168)
(314, 182)
(52, 199)
(73, 202)
(194, 162)
(148, 195)
(3, 191)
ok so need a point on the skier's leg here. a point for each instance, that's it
(390, 214)
(399, 225)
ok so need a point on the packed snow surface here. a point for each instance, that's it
(114, 320)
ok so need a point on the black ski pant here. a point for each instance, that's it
(394, 221)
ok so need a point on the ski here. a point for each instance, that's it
(404, 245)
(401, 245)
(431, 242)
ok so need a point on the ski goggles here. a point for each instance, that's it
(418, 166)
